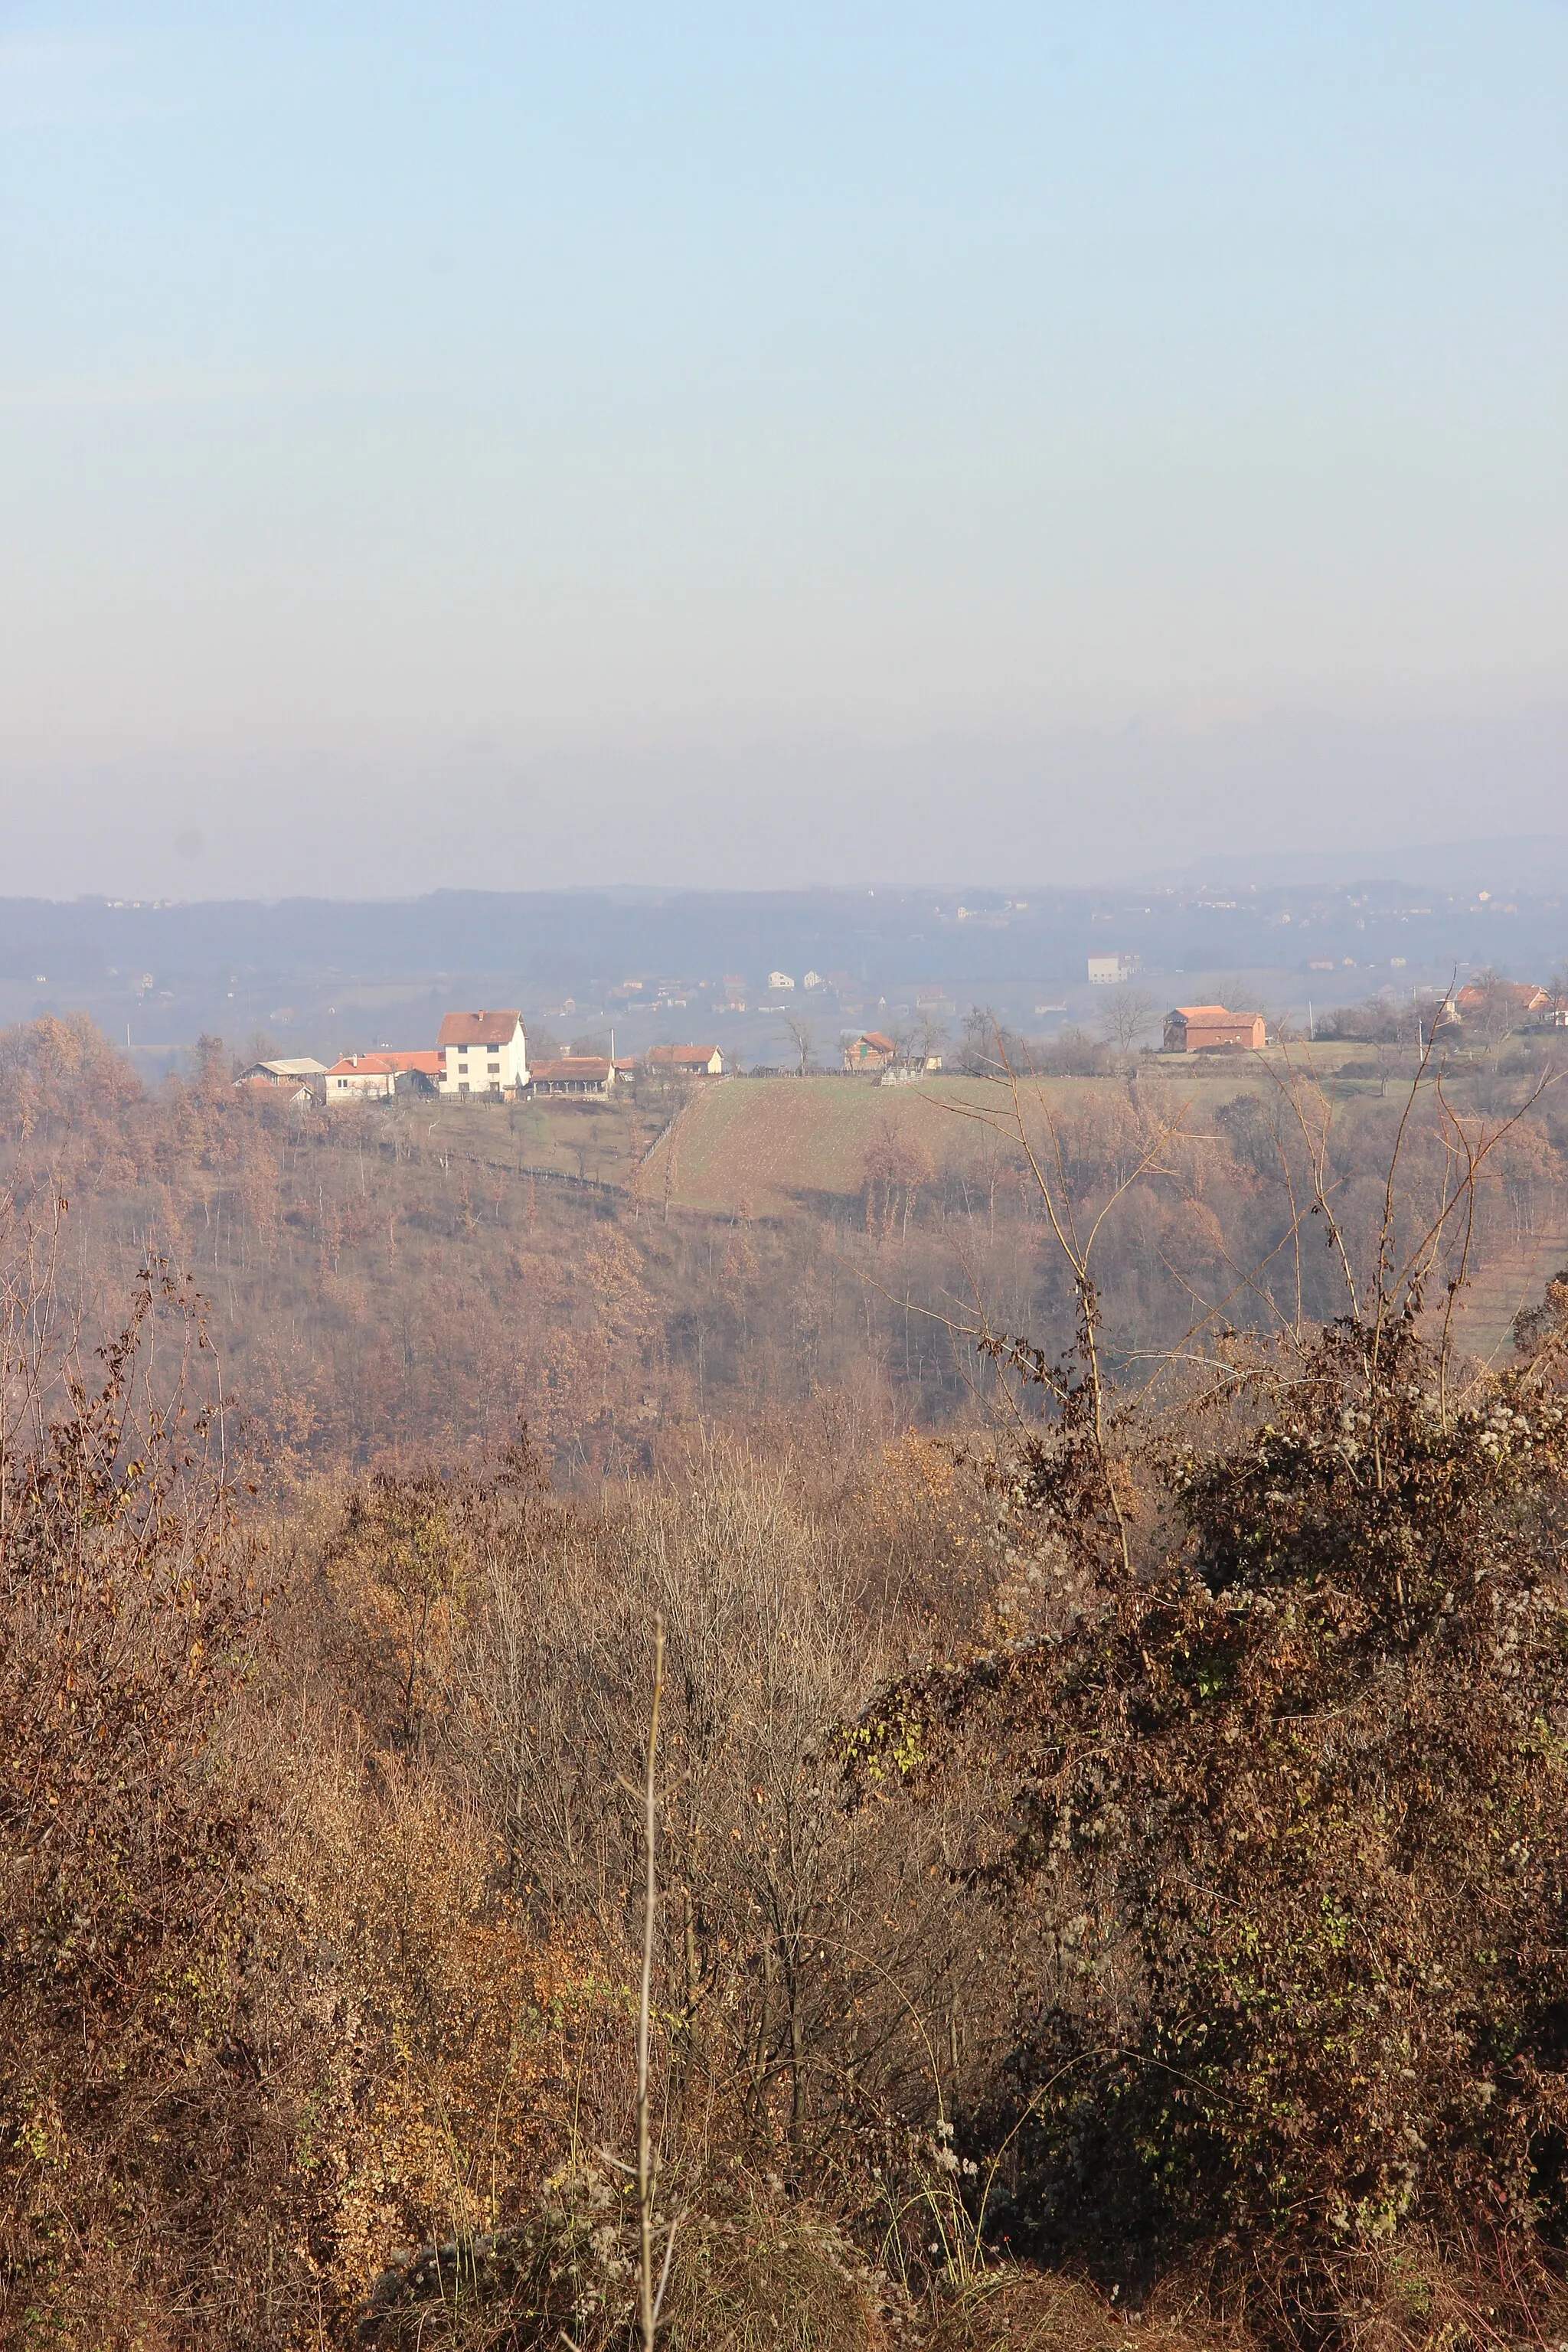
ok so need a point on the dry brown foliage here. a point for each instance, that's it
(1126, 1829)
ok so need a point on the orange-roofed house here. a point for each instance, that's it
(377, 1078)
(1519, 998)
(687, 1061)
(1200, 1028)
(482, 1052)
(869, 1051)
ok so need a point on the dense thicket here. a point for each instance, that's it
(1278, 1829)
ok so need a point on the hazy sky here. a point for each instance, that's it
(394, 395)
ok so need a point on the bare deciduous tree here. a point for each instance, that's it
(802, 1037)
(804, 1989)
(1126, 1017)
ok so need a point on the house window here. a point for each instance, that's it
(462, 1090)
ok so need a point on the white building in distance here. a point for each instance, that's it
(780, 980)
(482, 1052)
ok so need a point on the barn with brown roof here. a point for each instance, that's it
(574, 1074)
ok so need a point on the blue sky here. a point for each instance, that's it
(407, 385)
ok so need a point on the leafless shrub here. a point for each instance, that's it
(134, 2142)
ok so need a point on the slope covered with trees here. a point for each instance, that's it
(1108, 1800)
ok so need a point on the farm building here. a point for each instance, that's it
(869, 1051)
(376, 1077)
(1519, 998)
(574, 1074)
(687, 1061)
(296, 1092)
(299, 1069)
(1199, 1028)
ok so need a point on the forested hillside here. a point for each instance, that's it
(396, 1283)
(1098, 1854)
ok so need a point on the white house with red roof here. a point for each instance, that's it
(482, 1052)
(377, 1078)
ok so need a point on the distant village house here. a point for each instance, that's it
(583, 1075)
(297, 1081)
(869, 1051)
(687, 1061)
(295, 1092)
(377, 1078)
(482, 1052)
(1200, 1028)
(1519, 998)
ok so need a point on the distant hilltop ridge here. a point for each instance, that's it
(1520, 864)
(305, 975)
(1479, 904)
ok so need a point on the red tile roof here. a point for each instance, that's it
(419, 1058)
(680, 1057)
(1522, 993)
(478, 1028)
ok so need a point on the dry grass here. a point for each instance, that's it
(768, 2275)
(765, 1146)
(1035, 2311)
(760, 2274)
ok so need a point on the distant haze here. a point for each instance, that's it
(713, 444)
(1331, 799)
